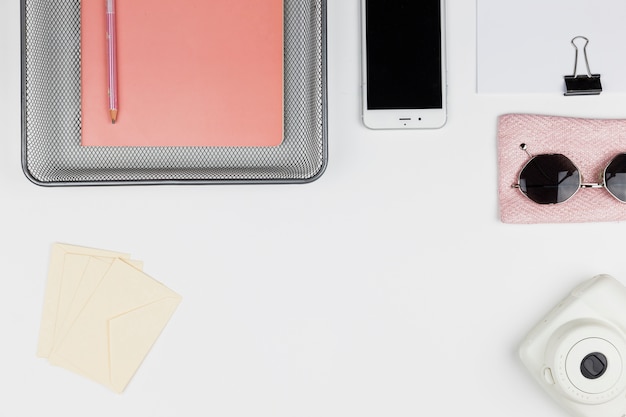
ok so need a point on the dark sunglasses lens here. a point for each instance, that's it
(615, 177)
(549, 179)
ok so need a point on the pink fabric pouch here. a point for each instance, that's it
(589, 143)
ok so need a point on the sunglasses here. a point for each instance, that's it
(553, 178)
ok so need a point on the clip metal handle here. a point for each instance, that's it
(584, 84)
(584, 55)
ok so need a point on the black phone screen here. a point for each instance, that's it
(403, 51)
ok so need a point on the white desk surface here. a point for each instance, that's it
(388, 287)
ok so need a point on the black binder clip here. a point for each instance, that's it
(585, 84)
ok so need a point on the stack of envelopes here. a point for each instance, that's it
(101, 314)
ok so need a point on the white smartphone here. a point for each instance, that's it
(403, 64)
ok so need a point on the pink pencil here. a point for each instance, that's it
(112, 59)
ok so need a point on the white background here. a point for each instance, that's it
(388, 287)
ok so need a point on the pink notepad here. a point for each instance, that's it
(190, 73)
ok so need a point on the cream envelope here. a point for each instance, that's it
(80, 288)
(117, 326)
(64, 274)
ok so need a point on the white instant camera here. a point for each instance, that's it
(578, 351)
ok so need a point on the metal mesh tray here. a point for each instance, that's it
(51, 112)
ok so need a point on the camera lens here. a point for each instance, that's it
(593, 365)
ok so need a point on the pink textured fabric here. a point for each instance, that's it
(589, 143)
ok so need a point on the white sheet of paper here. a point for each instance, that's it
(525, 46)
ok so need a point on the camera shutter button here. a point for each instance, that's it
(547, 375)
